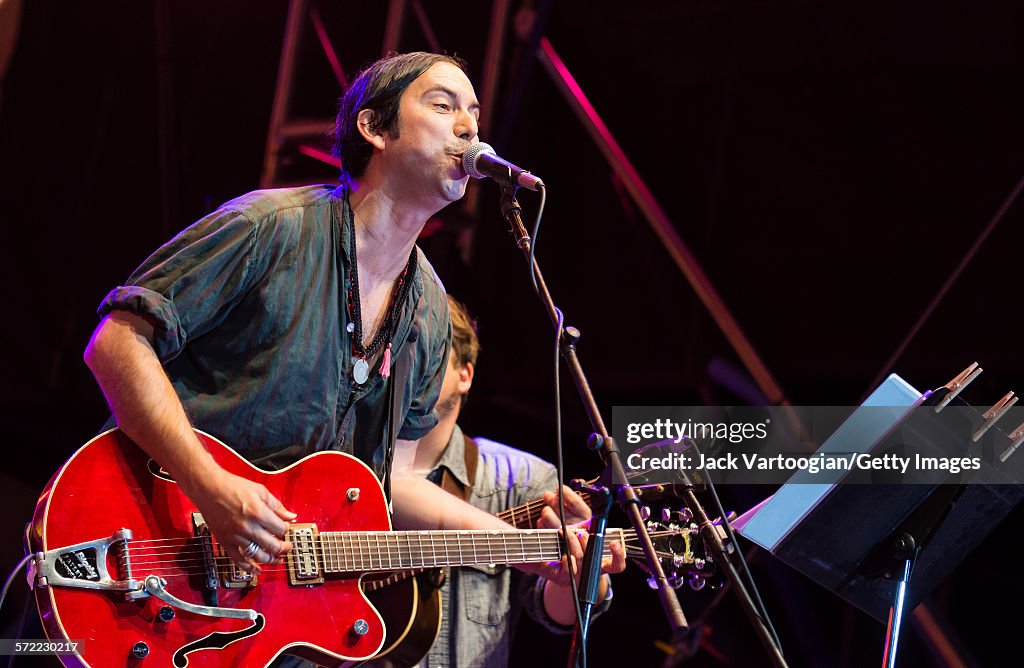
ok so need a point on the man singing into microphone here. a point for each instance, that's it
(285, 321)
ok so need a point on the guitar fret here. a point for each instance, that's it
(368, 551)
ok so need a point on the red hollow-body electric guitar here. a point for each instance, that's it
(126, 565)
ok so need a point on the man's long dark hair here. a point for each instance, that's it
(379, 88)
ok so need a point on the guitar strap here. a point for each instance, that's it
(399, 377)
(451, 484)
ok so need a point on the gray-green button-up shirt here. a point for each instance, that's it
(251, 315)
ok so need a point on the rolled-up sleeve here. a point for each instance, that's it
(188, 285)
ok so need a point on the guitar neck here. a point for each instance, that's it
(368, 551)
(526, 515)
(348, 551)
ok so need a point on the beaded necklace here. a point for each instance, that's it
(360, 353)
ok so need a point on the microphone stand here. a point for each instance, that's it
(614, 475)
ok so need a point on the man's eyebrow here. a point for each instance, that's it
(473, 106)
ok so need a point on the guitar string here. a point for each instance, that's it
(368, 545)
(373, 545)
(512, 531)
(627, 534)
(367, 557)
(364, 553)
(224, 562)
(364, 544)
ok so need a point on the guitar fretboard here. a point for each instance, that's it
(352, 551)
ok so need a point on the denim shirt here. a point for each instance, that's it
(480, 604)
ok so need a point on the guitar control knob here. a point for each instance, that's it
(352, 494)
(140, 650)
(166, 613)
(360, 628)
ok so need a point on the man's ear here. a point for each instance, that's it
(466, 377)
(364, 121)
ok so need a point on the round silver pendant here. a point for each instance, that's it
(360, 370)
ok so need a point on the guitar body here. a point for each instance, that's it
(111, 484)
(411, 610)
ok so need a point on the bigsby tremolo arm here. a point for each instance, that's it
(155, 587)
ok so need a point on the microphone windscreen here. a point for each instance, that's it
(469, 158)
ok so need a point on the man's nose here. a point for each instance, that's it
(466, 127)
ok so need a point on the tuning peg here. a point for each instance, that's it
(645, 512)
(1017, 437)
(666, 514)
(676, 581)
(993, 414)
(652, 582)
(956, 386)
(685, 515)
(697, 582)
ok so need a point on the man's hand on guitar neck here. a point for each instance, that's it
(576, 509)
(577, 513)
(558, 601)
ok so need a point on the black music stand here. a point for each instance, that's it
(855, 538)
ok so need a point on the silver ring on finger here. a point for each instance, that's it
(250, 550)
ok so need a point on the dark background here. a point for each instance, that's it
(829, 166)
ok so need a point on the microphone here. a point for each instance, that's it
(481, 161)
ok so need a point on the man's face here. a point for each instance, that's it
(454, 385)
(437, 121)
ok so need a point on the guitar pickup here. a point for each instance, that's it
(304, 567)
